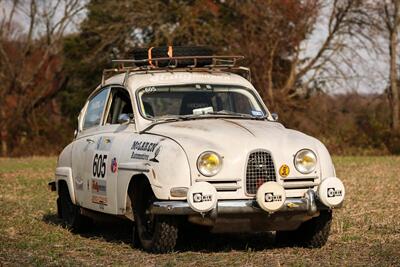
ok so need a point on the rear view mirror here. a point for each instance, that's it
(274, 116)
(124, 118)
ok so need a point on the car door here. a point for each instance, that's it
(84, 146)
(110, 141)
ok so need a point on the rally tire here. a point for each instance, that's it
(156, 233)
(70, 213)
(165, 236)
(135, 236)
(313, 233)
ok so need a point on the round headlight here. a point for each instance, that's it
(209, 163)
(305, 161)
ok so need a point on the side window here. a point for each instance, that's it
(120, 104)
(95, 110)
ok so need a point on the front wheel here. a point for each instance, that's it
(156, 233)
(313, 233)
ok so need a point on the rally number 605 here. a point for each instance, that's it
(99, 165)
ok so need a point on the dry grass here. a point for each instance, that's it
(365, 232)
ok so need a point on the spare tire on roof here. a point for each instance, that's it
(175, 51)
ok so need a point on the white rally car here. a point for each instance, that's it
(165, 145)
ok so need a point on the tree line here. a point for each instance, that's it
(52, 54)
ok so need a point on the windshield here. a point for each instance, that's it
(192, 100)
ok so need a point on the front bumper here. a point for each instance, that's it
(308, 204)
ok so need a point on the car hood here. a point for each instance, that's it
(234, 140)
(232, 134)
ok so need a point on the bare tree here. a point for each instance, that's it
(30, 61)
(335, 58)
(388, 11)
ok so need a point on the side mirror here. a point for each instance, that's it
(124, 118)
(274, 116)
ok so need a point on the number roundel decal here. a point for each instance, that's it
(99, 165)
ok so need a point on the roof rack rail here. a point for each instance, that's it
(218, 63)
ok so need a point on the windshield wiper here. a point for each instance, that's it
(234, 114)
(165, 119)
(169, 118)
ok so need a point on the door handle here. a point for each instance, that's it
(90, 141)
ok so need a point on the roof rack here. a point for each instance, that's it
(218, 63)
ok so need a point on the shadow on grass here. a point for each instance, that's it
(191, 239)
(111, 230)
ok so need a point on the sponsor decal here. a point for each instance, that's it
(144, 146)
(114, 165)
(139, 156)
(199, 197)
(156, 152)
(284, 170)
(99, 187)
(99, 192)
(270, 197)
(102, 200)
(142, 150)
(332, 192)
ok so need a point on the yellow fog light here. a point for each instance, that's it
(209, 163)
(305, 161)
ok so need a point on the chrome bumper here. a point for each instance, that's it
(307, 204)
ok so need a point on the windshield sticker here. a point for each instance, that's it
(150, 89)
(257, 113)
(202, 111)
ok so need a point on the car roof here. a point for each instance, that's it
(138, 80)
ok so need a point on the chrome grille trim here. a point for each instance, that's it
(300, 183)
(260, 169)
(223, 185)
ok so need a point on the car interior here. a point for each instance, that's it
(121, 104)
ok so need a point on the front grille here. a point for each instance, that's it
(260, 169)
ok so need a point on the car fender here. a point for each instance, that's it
(64, 171)
(325, 161)
(65, 174)
(168, 168)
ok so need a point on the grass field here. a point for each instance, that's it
(365, 232)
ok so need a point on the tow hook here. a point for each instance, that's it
(311, 204)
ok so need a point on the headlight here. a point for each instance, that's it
(305, 161)
(209, 163)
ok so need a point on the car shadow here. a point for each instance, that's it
(197, 240)
(110, 230)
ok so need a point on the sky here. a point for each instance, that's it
(371, 70)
